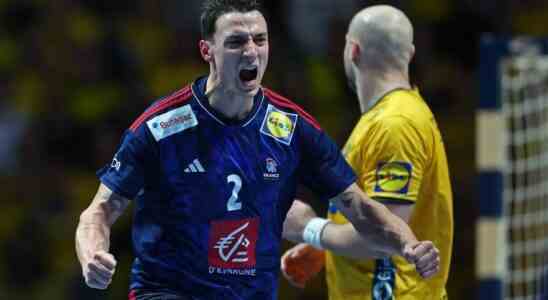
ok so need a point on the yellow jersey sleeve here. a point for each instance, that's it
(395, 160)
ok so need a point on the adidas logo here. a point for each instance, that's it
(195, 167)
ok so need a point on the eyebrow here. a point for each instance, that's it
(241, 34)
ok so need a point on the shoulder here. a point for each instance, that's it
(281, 103)
(164, 105)
(405, 108)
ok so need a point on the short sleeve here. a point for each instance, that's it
(125, 174)
(324, 169)
(394, 160)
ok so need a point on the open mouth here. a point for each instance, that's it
(247, 75)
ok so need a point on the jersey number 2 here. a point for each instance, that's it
(233, 202)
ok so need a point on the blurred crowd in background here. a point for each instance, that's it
(75, 74)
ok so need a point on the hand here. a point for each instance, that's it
(425, 256)
(297, 217)
(99, 269)
(301, 263)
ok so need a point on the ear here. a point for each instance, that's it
(355, 52)
(205, 50)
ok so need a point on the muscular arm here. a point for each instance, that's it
(345, 240)
(303, 261)
(385, 233)
(93, 236)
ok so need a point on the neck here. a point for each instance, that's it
(373, 86)
(230, 104)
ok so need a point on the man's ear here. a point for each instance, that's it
(205, 50)
(355, 52)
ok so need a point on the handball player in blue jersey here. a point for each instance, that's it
(212, 170)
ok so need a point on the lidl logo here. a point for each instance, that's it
(393, 177)
(279, 124)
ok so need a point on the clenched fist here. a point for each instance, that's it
(425, 256)
(301, 263)
(99, 269)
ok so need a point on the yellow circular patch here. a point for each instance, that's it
(393, 177)
(279, 124)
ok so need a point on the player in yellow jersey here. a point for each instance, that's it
(398, 155)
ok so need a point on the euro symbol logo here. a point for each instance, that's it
(232, 243)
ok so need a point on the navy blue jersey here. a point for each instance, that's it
(211, 194)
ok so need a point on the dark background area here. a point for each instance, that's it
(75, 74)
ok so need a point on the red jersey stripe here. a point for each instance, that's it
(132, 295)
(284, 102)
(177, 98)
(158, 106)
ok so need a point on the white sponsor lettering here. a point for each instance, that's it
(172, 122)
(241, 272)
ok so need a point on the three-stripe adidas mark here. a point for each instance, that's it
(195, 167)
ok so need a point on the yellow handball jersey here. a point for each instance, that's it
(397, 152)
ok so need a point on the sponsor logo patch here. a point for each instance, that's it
(232, 247)
(279, 124)
(393, 177)
(384, 279)
(172, 122)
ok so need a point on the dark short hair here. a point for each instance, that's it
(213, 9)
